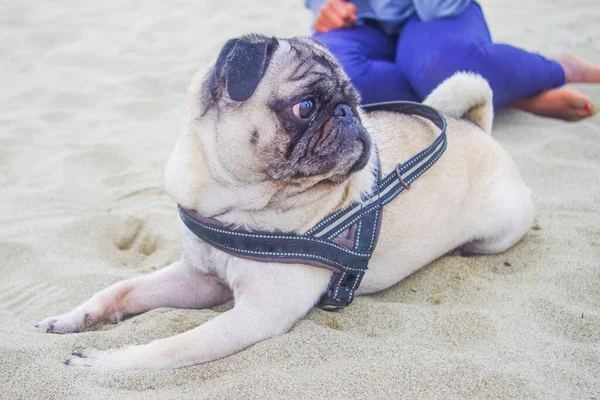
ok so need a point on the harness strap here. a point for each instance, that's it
(286, 248)
(344, 241)
(399, 179)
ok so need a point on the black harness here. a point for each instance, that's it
(344, 241)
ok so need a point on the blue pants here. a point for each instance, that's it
(410, 65)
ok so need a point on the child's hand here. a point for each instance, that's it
(335, 14)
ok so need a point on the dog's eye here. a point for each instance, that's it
(304, 109)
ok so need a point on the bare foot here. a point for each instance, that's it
(562, 103)
(578, 69)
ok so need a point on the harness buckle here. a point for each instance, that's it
(404, 184)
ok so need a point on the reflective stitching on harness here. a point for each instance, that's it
(355, 284)
(408, 171)
(337, 288)
(259, 253)
(373, 234)
(259, 236)
(357, 234)
(320, 224)
(357, 208)
(433, 160)
(352, 222)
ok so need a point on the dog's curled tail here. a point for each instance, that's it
(465, 95)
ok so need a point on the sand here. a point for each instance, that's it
(92, 94)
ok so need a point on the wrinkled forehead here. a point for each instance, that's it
(305, 52)
(301, 63)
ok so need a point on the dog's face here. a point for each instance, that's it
(281, 111)
(290, 107)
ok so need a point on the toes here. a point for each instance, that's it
(62, 327)
(75, 361)
(47, 324)
(81, 358)
(75, 321)
(92, 358)
(78, 353)
(581, 110)
(60, 324)
(562, 103)
(89, 352)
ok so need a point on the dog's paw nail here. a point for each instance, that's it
(78, 353)
(50, 328)
(75, 362)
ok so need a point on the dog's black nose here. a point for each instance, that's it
(344, 111)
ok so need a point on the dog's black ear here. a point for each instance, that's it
(241, 65)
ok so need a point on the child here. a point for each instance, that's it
(402, 49)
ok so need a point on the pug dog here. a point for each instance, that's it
(274, 140)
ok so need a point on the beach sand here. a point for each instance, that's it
(92, 95)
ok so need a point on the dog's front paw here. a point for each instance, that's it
(74, 321)
(84, 316)
(93, 359)
(89, 358)
(65, 323)
(116, 359)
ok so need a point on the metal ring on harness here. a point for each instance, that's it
(399, 175)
